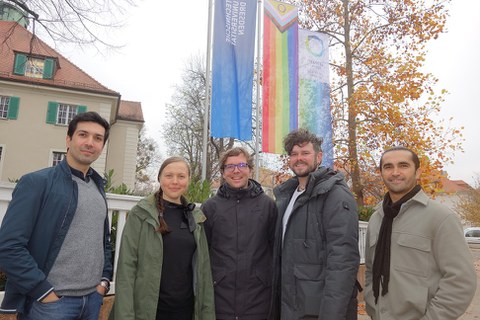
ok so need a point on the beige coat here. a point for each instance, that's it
(431, 271)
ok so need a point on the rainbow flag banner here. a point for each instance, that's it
(280, 74)
(314, 89)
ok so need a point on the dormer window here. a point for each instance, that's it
(34, 67)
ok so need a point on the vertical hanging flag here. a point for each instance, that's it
(280, 74)
(314, 89)
(232, 68)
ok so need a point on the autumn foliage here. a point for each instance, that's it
(380, 95)
(469, 204)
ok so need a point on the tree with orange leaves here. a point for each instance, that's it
(380, 95)
(468, 204)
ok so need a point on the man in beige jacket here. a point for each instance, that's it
(418, 265)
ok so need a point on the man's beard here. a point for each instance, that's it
(307, 172)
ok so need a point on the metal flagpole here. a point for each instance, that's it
(206, 119)
(259, 52)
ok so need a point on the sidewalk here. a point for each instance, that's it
(473, 311)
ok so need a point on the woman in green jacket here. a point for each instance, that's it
(163, 269)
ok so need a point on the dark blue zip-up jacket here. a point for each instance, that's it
(35, 225)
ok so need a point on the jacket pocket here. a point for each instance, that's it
(218, 277)
(308, 288)
(412, 255)
(265, 276)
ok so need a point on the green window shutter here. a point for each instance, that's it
(52, 112)
(20, 62)
(13, 108)
(81, 109)
(48, 67)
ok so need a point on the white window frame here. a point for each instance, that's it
(4, 102)
(66, 112)
(2, 156)
(54, 152)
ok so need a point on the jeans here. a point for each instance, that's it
(67, 308)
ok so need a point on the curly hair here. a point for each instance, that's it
(301, 137)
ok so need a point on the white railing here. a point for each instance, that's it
(118, 207)
(362, 235)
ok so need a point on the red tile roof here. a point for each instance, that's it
(453, 186)
(15, 38)
(131, 111)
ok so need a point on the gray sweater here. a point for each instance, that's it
(79, 264)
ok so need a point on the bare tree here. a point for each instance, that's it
(184, 132)
(81, 22)
(148, 162)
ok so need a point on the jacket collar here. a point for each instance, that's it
(150, 212)
(421, 197)
(254, 189)
(65, 169)
(319, 181)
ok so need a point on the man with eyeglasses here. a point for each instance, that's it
(240, 230)
(316, 248)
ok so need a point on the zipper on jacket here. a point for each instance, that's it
(68, 207)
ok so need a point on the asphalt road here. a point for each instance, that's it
(473, 312)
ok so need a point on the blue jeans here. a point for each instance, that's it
(67, 308)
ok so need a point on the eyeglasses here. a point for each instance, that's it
(242, 166)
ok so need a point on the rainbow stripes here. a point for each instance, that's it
(280, 74)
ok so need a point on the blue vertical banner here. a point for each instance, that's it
(314, 89)
(232, 68)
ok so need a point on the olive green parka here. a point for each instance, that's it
(137, 283)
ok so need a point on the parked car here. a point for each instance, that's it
(472, 234)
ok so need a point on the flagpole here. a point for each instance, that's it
(259, 91)
(206, 118)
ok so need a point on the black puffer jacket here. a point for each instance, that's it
(240, 230)
(317, 266)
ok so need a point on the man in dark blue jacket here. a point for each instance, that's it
(316, 247)
(54, 239)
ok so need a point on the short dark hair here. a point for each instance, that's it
(300, 137)
(90, 116)
(236, 151)
(415, 159)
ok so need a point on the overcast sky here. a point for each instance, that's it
(161, 36)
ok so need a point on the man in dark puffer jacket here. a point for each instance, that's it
(316, 247)
(240, 230)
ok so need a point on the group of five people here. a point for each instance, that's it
(242, 255)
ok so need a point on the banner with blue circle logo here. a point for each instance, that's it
(314, 89)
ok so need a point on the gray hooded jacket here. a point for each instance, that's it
(317, 264)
